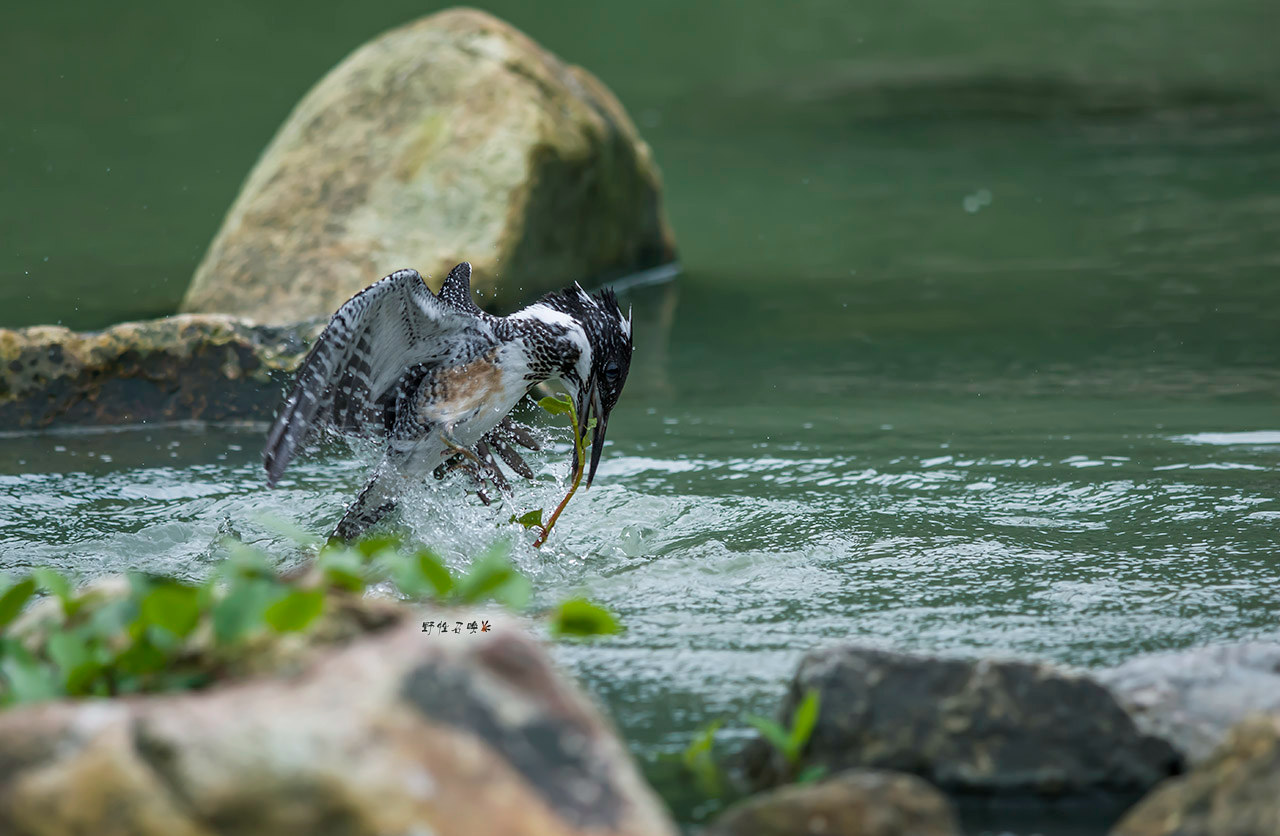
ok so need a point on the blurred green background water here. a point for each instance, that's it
(977, 347)
(799, 140)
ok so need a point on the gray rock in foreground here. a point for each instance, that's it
(854, 803)
(189, 367)
(1192, 698)
(453, 138)
(989, 727)
(397, 733)
(1234, 792)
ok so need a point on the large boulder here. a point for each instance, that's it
(989, 727)
(178, 368)
(452, 138)
(1234, 792)
(1192, 698)
(854, 803)
(396, 733)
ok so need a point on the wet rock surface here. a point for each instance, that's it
(395, 733)
(1192, 698)
(1234, 792)
(452, 138)
(854, 803)
(983, 727)
(188, 367)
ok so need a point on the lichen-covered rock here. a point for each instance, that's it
(982, 726)
(1234, 792)
(177, 368)
(854, 803)
(396, 733)
(1192, 698)
(452, 138)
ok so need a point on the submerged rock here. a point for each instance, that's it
(1234, 792)
(452, 138)
(854, 803)
(191, 367)
(990, 727)
(1192, 698)
(396, 733)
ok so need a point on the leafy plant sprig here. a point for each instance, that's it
(165, 634)
(561, 405)
(790, 743)
(699, 759)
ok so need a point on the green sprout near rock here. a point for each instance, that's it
(791, 743)
(561, 405)
(699, 761)
(715, 783)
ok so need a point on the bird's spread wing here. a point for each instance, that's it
(360, 362)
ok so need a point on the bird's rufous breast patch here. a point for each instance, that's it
(453, 392)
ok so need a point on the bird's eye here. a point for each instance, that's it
(611, 371)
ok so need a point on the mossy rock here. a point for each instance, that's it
(189, 367)
(453, 138)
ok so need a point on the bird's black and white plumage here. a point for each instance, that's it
(433, 374)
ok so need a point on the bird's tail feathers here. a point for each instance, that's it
(374, 502)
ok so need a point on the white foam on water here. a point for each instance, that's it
(1223, 439)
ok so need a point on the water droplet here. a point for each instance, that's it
(977, 201)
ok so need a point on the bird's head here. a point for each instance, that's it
(595, 380)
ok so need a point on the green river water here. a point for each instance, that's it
(953, 365)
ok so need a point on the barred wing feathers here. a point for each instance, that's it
(361, 362)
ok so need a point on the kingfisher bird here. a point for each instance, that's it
(433, 377)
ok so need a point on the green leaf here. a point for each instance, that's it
(811, 773)
(75, 655)
(771, 731)
(172, 606)
(29, 679)
(139, 583)
(68, 650)
(85, 679)
(142, 657)
(111, 620)
(701, 744)
(803, 720)
(240, 611)
(488, 573)
(245, 560)
(529, 520)
(14, 598)
(369, 546)
(434, 571)
(419, 575)
(515, 594)
(345, 578)
(343, 568)
(580, 617)
(288, 529)
(557, 404)
(56, 585)
(698, 759)
(295, 611)
(401, 571)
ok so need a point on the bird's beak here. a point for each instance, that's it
(597, 433)
(589, 406)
